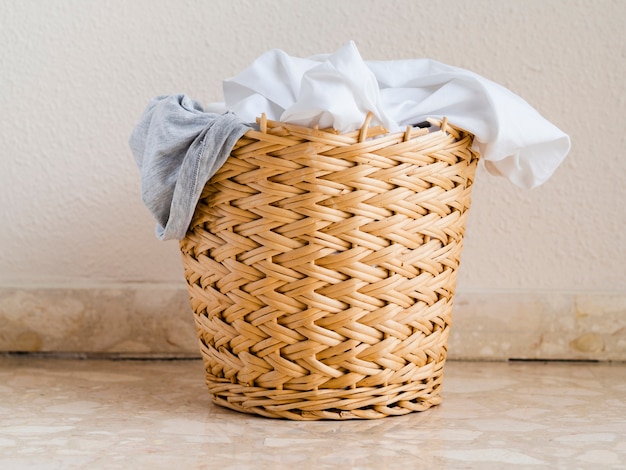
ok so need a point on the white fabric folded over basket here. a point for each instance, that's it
(337, 90)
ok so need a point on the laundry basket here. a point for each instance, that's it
(321, 269)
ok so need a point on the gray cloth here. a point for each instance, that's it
(178, 147)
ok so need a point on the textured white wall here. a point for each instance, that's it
(76, 74)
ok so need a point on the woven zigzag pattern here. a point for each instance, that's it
(321, 269)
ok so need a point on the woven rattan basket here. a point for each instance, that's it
(321, 269)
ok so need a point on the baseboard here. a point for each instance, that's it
(130, 320)
(156, 321)
(539, 325)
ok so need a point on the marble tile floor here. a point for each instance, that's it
(75, 414)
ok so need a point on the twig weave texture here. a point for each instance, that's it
(321, 269)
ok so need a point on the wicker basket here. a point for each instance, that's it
(321, 269)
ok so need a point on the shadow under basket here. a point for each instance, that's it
(321, 269)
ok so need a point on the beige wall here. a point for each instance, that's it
(76, 74)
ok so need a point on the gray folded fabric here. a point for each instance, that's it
(178, 147)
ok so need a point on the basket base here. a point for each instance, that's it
(331, 404)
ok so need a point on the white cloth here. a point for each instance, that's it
(338, 90)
